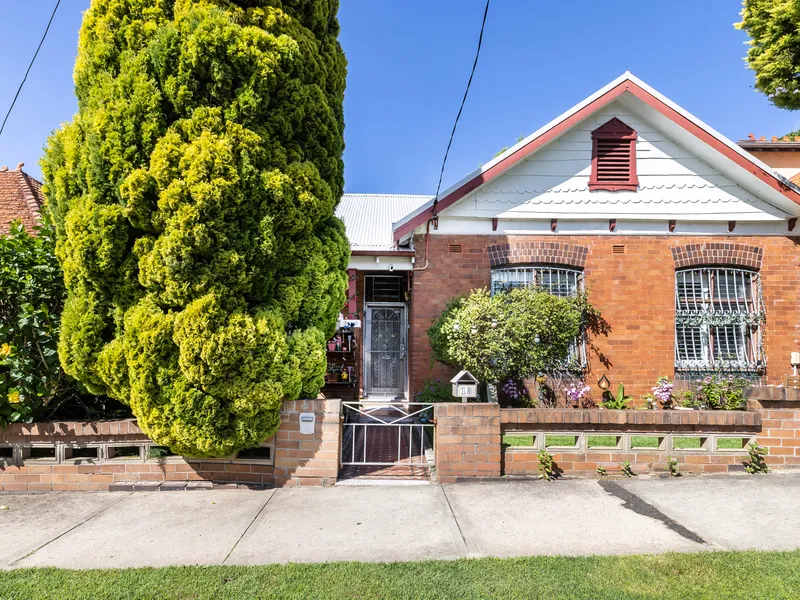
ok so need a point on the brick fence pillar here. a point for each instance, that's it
(467, 441)
(308, 459)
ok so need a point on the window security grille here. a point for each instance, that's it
(718, 317)
(384, 288)
(561, 282)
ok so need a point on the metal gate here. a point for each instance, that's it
(385, 349)
(380, 433)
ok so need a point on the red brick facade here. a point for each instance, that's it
(630, 279)
(521, 253)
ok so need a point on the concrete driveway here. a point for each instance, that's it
(414, 522)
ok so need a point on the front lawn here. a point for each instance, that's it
(709, 575)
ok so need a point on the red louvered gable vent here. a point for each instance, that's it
(613, 157)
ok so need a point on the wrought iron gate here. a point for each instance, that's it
(385, 349)
(379, 433)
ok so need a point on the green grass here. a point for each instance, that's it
(518, 440)
(732, 443)
(601, 441)
(691, 443)
(707, 575)
(609, 441)
(560, 440)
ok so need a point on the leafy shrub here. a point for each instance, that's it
(32, 384)
(686, 399)
(193, 197)
(30, 307)
(721, 392)
(435, 391)
(493, 336)
(547, 466)
(618, 402)
(757, 462)
(626, 469)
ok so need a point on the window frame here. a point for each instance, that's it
(711, 310)
(531, 271)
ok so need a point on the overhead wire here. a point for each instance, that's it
(461, 108)
(30, 66)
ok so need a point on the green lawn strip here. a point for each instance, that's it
(691, 443)
(731, 443)
(601, 441)
(730, 575)
(518, 440)
(560, 440)
(609, 441)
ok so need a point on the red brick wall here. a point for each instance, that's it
(298, 459)
(467, 441)
(583, 461)
(634, 292)
(469, 437)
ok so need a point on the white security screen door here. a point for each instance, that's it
(385, 349)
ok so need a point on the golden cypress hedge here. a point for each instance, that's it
(193, 197)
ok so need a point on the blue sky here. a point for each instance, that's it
(409, 61)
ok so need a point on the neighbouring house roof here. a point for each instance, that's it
(678, 124)
(790, 144)
(21, 198)
(369, 218)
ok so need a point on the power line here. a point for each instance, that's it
(461, 108)
(24, 79)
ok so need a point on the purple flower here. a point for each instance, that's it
(577, 392)
(663, 390)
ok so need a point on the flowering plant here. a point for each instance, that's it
(511, 390)
(577, 394)
(663, 391)
(720, 392)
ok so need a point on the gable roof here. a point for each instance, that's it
(369, 218)
(20, 198)
(678, 123)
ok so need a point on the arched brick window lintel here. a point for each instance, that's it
(717, 253)
(526, 253)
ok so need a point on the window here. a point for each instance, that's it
(718, 316)
(555, 280)
(384, 288)
(613, 157)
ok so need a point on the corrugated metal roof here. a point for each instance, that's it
(368, 218)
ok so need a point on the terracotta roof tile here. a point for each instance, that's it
(21, 198)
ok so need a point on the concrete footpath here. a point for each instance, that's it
(399, 522)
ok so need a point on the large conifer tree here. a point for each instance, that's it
(193, 197)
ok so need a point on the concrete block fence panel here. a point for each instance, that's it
(39, 456)
(469, 438)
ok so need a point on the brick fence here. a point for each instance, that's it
(467, 441)
(469, 438)
(69, 456)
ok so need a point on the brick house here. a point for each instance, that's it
(21, 198)
(657, 215)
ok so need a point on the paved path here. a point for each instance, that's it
(402, 522)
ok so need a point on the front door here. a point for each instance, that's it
(385, 344)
